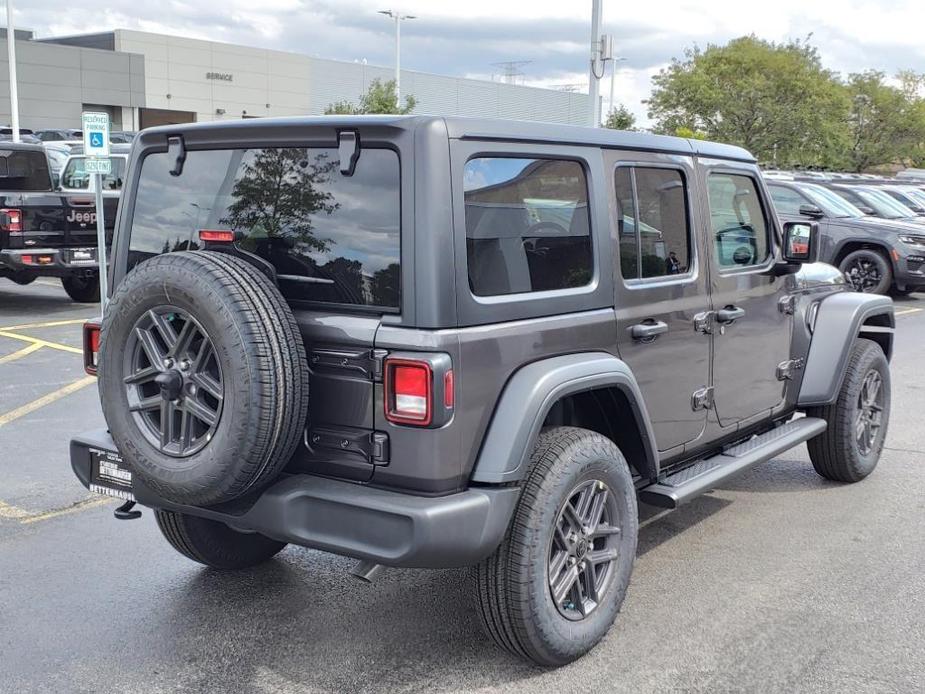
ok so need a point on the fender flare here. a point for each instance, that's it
(840, 319)
(530, 394)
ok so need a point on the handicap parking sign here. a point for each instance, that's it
(96, 134)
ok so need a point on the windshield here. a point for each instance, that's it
(917, 195)
(75, 174)
(884, 205)
(833, 204)
(25, 171)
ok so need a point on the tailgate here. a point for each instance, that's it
(340, 438)
(80, 219)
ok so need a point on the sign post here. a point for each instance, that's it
(96, 147)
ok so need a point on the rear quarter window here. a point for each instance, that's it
(331, 238)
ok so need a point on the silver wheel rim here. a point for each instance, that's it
(583, 550)
(869, 419)
(173, 381)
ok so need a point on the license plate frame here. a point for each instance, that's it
(109, 475)
(81, 256)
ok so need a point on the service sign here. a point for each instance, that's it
(96, 133)
(98, 166)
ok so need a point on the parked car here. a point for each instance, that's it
(25, 135)
(44, 233)
(910, 196)
(873, 201)
(75, 179)
(494, 377)
(59, 134)
(57, 157)
(877, 255)
(122, 136)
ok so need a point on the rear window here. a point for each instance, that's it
(331, 238)
(24, 171)
(75, 174)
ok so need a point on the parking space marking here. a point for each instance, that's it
(38, 341)
(50, 324)
(10, 512)
(54, 396)
(907, 311)
(19, 354)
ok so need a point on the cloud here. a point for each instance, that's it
(467, 38)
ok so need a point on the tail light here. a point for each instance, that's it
(91, 346)
(11, 220)
(409, 392)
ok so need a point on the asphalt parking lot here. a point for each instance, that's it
(777, 581)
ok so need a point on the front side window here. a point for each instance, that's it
(740, 230)
(527, 225)
(75, 174)
(652, 226)
(787, 200)
(331, 238)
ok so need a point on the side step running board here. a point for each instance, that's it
(701, 477)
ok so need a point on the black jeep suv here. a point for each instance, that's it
(877, 255)
(429, 342)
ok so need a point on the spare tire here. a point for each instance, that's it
(203, 376)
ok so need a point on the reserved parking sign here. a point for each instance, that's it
(96, 133)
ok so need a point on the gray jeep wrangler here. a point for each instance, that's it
(438, 342)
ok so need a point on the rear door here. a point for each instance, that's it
(332, 242)
(752, 322)
(662, 296)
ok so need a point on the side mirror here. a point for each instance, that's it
(870, 211)
(801, 242)
(811, 211)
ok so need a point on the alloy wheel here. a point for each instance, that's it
(583, 550)
(869, 418)
(863, 274)
(173, 381)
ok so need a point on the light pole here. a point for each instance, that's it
(597, 65)
(613, 73)
(397, 16)
(11, 57)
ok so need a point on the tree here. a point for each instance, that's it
(776, 100)
(380, 97)
(620, 118)
(277, 193)
(886, 123)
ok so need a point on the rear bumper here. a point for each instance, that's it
(381, 526)
(48, 262)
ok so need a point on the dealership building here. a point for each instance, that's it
(143, 79)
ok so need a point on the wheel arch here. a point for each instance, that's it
(594, 390)
(841, 319)
(851, 245)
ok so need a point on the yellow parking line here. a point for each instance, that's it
(54, 396)
(11, 512)
(51, 324)
(908, 310)
(20, 353)
(42, 343)
(92, 502)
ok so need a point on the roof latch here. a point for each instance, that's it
(348, 147)
(176, 151)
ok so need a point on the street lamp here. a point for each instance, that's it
(11, 57)
(397, 16)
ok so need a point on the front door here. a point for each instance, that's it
(661, 291)
(752, 325)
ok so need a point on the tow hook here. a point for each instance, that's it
(366, 571)
(125, 512)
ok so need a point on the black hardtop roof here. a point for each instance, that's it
(478, 129)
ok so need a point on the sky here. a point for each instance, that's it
(465, 38)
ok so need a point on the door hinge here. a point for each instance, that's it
(703, 322)
(365, 362)
(786, 369)
(787, 304)
(702, 399)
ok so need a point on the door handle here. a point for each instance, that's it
(729, 314)
(648, 330)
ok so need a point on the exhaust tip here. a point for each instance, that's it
(366, 571)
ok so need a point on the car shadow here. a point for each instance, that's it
(46, 305)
